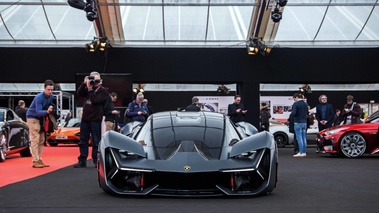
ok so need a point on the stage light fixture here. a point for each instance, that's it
(88, 6)
(222, 89)
(276, 15)
(138, 90)
(282, 3)
(103, 44)
(255, 46)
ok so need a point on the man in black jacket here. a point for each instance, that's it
(95, 97)
(194, 106)
(110, 112)
(236, 110)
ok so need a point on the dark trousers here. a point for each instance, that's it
(89, 130)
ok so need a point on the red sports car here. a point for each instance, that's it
(351, 140)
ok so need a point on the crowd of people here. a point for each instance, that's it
(99, 104)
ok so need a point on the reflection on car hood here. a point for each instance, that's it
(67, 129)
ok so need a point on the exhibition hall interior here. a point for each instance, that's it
(173, 50)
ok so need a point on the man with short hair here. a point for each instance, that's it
(137, 110)
(351, 113)
(110, 112)
(38, 109)
(193, 107)
(236, 110)
(90, 126)
(21, 110)
(299, 113)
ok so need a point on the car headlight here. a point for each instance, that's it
(334, 131)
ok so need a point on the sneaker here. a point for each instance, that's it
(44, 165)
(317, 151)
(80, 165)
(37, 164)
(323, 152)
(299, 155)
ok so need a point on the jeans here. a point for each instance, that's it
(87, 130)
(301, 136)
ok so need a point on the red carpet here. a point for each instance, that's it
(16, 168)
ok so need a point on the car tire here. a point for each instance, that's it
(281, 139)
(3, 147)
(25, 152)
(353, 145)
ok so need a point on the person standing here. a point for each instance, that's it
(236, 110)
(21, 110)
(193, 107)
(95, 97)
(137, 110)
(324, 113)
(150, 108)
(110, 112)
(36, 113)
(352, 111)
(299, 113)
(265, 117)
(68, 117)
(336, 118)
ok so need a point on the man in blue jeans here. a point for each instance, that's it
(299, 113)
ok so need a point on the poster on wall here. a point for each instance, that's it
(215, 103)
(279, 106)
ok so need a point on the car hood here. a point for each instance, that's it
(64, 130)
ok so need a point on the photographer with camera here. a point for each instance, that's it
(137, 110)
(37, 112)
(95, 97)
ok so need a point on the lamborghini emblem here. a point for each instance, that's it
(187, 168)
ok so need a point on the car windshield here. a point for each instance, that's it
(73, 122)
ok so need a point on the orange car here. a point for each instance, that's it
(67, 134)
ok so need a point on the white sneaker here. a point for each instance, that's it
(300, 155)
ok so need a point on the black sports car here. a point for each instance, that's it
(188, 154)
(14, 135)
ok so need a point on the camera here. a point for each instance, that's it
(91, 80)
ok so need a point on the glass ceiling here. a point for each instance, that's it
(190, 23)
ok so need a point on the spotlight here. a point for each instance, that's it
(223, 89)
(91, 47)
(305, 89)
(78, 4)
(138, 90)
(90, 10)
(282, 3)
(255, 45)
(88, 7)
(103, 44)
(276, 15)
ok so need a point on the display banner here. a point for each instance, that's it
(280, 106)
(215, 103)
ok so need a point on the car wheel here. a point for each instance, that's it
(25, 152)
(353, 145)
(3, 147)
(281, 139)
